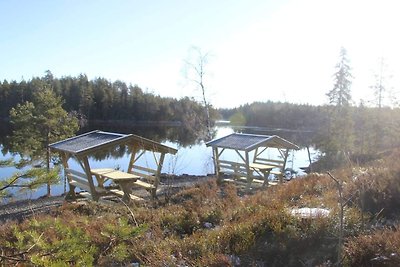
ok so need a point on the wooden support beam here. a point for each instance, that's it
(217, 168)
(88, 173)
(71, 193)
(158, 175)
(285, 156)
(241, 156)
(248, 171)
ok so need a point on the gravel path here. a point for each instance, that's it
(25, 208)
(20, 210)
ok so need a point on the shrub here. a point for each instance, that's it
(381, 248)
(50, 242)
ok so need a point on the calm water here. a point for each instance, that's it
(192, 159)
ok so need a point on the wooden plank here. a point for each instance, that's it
(102, 171)
(234, 173)
(243, 179)
(86, 195)
(86, 186)
(144, 169)
(233, 168)
(257, 181)
(121, 194)
(144, 184)
(231, 162)
(261, 166)
(145, 176)
(79, 179)
(76, 173)
(270, 160)
(115, 174)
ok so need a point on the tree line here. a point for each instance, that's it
(101, 99)
(45, 109)
(339, 129)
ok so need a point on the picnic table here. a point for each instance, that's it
(263, 169)
(125, 181)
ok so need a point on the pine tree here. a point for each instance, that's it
(340, 94)
(336, 138)
(39, 123)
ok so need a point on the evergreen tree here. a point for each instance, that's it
(29, 179)
(336, 137)
(340, 94)
(38, 123)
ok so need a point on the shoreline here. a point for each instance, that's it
(25, 208)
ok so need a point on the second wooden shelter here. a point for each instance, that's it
(260, 165)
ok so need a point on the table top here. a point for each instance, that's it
(261, 166)
(114, 174)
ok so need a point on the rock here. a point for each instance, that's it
(208, 225)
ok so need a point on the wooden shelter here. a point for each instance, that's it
(254, 163)
(93, 180)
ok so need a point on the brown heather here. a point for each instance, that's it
(216, 225)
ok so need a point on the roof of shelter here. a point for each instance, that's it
(248, 142)
(98, 140)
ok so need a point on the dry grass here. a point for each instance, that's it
(211, 225)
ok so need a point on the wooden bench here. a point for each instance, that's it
(149, 179)
(278, 166)
(239, 173)
(80, 180)
(97, 190)
(123, 179)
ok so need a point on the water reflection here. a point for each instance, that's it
(193, 156)
(300, 138)
(182, 135)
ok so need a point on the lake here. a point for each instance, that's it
(193, 157)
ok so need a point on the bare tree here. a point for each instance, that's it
(194, 72)
(380, 88)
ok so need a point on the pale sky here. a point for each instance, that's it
(262, 50)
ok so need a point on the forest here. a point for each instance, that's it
(335, 128)
(369, 124)
(102, 100)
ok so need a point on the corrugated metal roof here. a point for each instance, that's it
(247, 142)
(97, 140)
(87, 141)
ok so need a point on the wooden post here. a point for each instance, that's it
(309, 159)
(158, 175)
(255, 155)
(216, 163)
(248, 172)
(285, 156)
(88, 173)
(71, 193)
(132, 160)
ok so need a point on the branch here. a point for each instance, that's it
(336, 180)
(13, 257)
(10, 184)
(131, 212)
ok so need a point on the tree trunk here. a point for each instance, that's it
(48, 164)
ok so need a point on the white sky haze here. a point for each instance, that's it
(261, 50)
